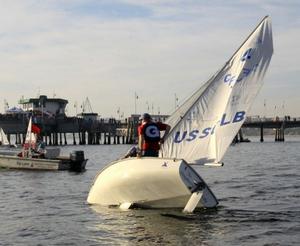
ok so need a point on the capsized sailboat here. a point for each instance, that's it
(202, 130)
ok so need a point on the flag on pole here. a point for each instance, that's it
(35, 129)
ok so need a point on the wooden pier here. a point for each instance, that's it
(59, 130)
(278, 124)
(62, 130)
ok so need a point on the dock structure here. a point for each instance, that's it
(62, 130)
(83, 129)
(57, 129)
(278, 124)
(88, 128)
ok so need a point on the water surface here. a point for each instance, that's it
(258, 189)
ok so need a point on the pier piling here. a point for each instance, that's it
(262, 132)
(56, 131)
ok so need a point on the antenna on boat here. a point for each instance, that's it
(86, 106)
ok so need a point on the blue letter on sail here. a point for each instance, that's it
(176, 140)
(239, 116)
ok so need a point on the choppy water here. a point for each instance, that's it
(258, 189)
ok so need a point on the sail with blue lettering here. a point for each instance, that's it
(204, 126)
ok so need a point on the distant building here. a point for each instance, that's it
(87, 111)
(155, 117)
(88, 116)
(45, 105)
(159, 117)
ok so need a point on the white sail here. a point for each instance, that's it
(30, 140)
(205, 125)
(3, 137)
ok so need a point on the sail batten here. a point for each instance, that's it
(205, 125)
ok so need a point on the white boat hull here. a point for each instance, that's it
(15, 162)
(149, 182)
(60, 163)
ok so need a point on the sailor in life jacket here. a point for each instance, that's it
(149, 136)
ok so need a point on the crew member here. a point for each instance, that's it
(149, 136)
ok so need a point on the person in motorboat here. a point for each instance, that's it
(41, 147)
(37, 150)
(149, 136)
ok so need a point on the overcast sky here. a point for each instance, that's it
(108, 50)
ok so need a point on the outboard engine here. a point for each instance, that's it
(77, 160)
